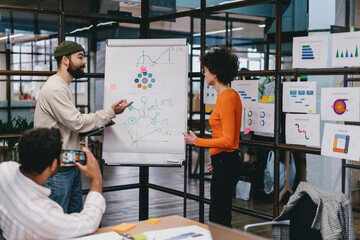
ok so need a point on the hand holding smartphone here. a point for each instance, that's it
(69, 157)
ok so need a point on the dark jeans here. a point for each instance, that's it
(226, 171)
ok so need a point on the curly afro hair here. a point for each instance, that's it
(221, 62)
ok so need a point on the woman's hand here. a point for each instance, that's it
(189, 138)
(210, 168)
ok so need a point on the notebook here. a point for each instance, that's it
(92, 132)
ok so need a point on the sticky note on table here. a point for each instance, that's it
(264, 99)
(123, 227)
(208, 109)
(143, 69)
(154, 220)
(139, 237)
(112, 86)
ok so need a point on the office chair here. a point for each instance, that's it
(315, 213)
(298, 226)
(1, 236)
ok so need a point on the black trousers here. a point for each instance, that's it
(226, 171)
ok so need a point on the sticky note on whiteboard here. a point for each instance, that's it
(112, 86)
(143, 69)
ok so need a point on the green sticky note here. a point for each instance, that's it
(139, 237)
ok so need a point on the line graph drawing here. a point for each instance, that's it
(301, 131)
(149, 119)
(163, 58)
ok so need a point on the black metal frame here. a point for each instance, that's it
(203, 13)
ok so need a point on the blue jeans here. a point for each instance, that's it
(66, 189)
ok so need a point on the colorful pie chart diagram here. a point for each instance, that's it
(144, 80)
(339, 106)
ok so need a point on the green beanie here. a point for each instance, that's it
(67, 48)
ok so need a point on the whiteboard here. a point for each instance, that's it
(154, 74)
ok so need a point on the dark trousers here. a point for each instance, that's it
(226, 171)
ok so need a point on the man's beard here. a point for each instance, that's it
(75, 72)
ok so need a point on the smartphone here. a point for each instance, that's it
(69, 157)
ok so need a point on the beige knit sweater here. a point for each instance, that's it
(55, 108)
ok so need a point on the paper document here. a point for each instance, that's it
(181, 233)
(303, 129)
(299, 97)
(210, 94)
(261, 118)
(102, 236)
(341, 141)
(340, 104)
(310, 52)
(248, 92)
(345, 49)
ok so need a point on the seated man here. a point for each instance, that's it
(26, 211)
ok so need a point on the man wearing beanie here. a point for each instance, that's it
(55, 108)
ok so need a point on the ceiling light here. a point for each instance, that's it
(262, 25)
(219, 31)
(226, 2)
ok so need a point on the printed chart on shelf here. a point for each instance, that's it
(345, 49)
(210, 94)
(303, 129)
(340, 104)
(299, 97)
(341, 141)
(260, 118)
(248, 92)
(155, 78)
(310, 52)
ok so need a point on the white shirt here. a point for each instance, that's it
(55, 108)
(27, 212)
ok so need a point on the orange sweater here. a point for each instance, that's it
(225, 122)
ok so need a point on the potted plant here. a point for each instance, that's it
(17, 125)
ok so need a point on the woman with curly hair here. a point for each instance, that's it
(220, 67)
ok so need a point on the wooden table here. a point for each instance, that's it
(177, 221)
(165, 222)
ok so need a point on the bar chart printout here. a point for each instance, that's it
(310, 52)
(307, 52)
